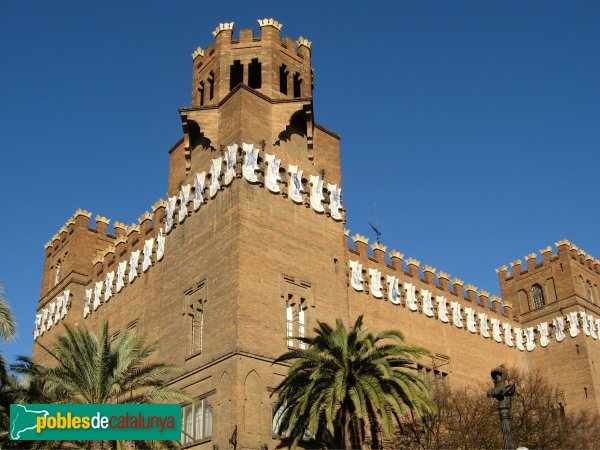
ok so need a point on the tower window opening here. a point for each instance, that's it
(590, 291)
(236, 74)
(57, 273)
(283, 80)
(585, 392)
(201, 93)
(295, 321)
(254, 74)
(196, 330)
(211, 85)
(538, 296)
(297, 85)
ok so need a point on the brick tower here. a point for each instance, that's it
(558, 296)
(249, 250)
(245, 252)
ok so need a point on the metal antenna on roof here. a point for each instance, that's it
(375, 229)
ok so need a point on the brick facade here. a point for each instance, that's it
(236, 261)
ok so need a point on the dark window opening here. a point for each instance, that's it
(236, 74)
(254, 74)
(585, 392)
(201, 93)
(283, 74)
(211, 85)
(297, 84)
(538, 296)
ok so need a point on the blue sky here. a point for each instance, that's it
(470, 128)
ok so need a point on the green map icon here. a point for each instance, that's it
(23, 419)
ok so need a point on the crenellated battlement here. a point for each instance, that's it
(568, 275)
(426, 274)
(270, 22)
(278, 67)
(564, 248)
(227, 26)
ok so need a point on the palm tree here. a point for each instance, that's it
(91, 369)
(7, 332)
(349, 381)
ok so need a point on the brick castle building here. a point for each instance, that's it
(249, 249)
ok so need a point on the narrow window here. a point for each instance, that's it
(196, 422)
(301, 322)
(538, 296)
(590, 291)
(289, 312)
(283, 81)
(201, 93)
(297, 85)
(254, 74)
(196, 331)
(57, 273)
(236, 72)
(585, 392)
(211, 85)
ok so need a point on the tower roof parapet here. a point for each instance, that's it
(378, 246)
(198, 52)
(223, 27)
(302, 41)
(269, 22)
(133, 228)
(82, 212)
(359, 238)
(102, 219)
(145, 216)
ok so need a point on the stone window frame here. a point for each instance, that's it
(298, 296)
(537, 301)
(194, 310)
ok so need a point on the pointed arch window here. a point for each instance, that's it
(537, 296)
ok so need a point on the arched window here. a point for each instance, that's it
(537, 296)
(57, 273)
(590, 291)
